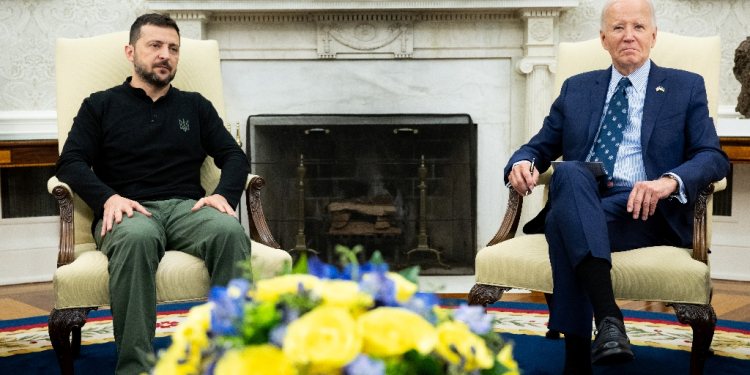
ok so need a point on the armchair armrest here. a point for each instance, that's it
(64, 195)
(510, 222)
(513, 212)
(258, 227)
(700, 220)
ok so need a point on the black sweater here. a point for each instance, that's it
(145, 150)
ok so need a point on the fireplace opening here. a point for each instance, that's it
(401, 184)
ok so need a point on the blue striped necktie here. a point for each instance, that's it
(610, 134)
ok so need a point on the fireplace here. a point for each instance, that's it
(401, 184)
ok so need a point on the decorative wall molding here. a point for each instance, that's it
(527, 64)
(365, 37)
(28, 125)
(465, 16)
(189, 16)
(728, 111)
(308, 5)
(192, 23)
(528, 13)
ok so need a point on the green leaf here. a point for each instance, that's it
(258, 321)
(377, 258)
(301, 266)
(411, 274)
(348, 256)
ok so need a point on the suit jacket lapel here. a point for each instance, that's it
(598, 95)
(651, 106)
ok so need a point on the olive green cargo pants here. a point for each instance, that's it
(134, 248)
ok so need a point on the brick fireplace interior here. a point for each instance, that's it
(361, 185)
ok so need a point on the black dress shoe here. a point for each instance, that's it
(611, 345)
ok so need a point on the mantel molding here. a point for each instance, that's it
(328, 5)
(366, 15)
(527, 64)
(28, 125)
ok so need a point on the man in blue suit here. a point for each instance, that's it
(649, 126)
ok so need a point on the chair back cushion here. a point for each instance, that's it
(87, 65)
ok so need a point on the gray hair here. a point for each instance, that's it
(603, 25)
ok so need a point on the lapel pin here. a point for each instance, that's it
(659, 88)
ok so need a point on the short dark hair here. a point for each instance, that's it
(155, 19)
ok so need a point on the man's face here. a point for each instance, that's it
(628, 34)
(155, 55)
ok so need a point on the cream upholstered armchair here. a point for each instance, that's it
(84, 66)
(679, 277)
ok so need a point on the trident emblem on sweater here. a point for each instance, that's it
(184, 125)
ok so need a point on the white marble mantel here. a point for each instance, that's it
(492, 59)
(315, 5)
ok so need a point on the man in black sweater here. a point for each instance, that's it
(134, 155)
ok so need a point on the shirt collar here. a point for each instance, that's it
(141, 94)
(639, 78)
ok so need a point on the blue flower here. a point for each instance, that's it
(364, 365)
(228, 306)
(321, 270)
(276, 336)
(380, 287)
(474, 317)
(422, 304)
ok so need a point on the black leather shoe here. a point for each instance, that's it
(611, 345)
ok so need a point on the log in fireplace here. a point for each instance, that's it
(395, 183)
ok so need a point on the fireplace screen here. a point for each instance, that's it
(401, 184)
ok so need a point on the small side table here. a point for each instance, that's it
(37, 153)
(737, 148)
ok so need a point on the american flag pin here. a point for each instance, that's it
(659, 88)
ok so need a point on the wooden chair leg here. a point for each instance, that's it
(551, 333)
(60, 326)
(482, 294)
(702, 319)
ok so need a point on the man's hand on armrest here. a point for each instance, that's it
(113, 209)
(216, 201)
(646, 194)
(522, 180)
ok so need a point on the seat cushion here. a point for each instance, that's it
(659, 273)
(179, 278)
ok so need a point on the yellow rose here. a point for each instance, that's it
(255, 360)
(505, 357)
(271, 289)
(342, 293)
(470, 346)
(188, 341)
(390, 331)
(201, 315)
(325, 338)
(404, 288)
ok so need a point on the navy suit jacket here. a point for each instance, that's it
(677, 135)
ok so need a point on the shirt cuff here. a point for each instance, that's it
(508, 185)
(680, 194)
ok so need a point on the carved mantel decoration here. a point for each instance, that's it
(387, 34)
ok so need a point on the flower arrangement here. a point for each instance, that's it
(316, 319)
